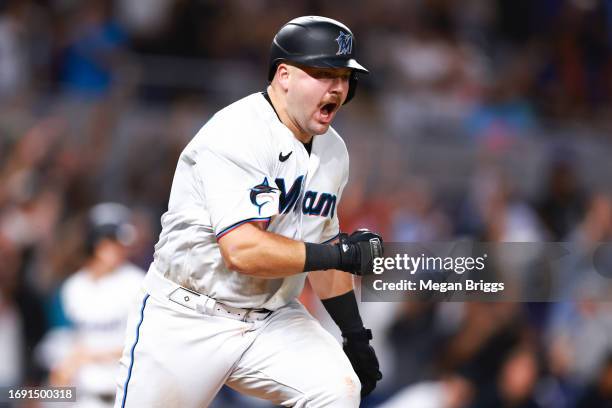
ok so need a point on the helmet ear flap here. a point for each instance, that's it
(352, 87)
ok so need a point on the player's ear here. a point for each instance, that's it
(283, 72)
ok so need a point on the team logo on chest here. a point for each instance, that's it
(262, 194)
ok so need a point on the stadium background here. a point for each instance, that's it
(482, 118)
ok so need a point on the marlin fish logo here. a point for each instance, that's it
(262, 189)
(345, 43)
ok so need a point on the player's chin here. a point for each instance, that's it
(321, 124)
(319, 128)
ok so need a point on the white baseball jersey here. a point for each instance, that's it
(244, 165)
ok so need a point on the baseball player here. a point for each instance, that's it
(253, 213)
(92, 308)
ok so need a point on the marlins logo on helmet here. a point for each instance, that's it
(345, 43)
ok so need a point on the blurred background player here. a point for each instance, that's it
(90, 314)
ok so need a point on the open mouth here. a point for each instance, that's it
(327, 109)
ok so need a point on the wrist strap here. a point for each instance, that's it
(365, 335)
(320, 257)
(345, 313)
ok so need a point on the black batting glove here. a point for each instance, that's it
(363, 359)
(358, 250)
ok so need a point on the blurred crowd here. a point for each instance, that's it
(481, 119)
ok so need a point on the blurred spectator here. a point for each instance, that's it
(144, 21)
(579, 343)
(13, 49)
(495, 212)
(504, 113)
(574, 80)
(415, 337)
(563, 202)
(486, 336)
(358, 209)
(11, 336)
(580, 330)
(596, 226)
(22, 319)
(92, 51)
(416, 217)
(516, 383)
(599, 393)
(90, 313)
(578, 278)
(434, 75)
(451, 391)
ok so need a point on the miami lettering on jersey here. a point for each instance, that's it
(288, 199)
(314, 203)
(325, 205)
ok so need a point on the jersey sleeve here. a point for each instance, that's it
(237, 184)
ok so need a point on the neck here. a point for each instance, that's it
(280, 105)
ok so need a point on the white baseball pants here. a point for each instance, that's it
(178, 357)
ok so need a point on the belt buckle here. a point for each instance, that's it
(249, 311)
(208, 307)
(193, 300)
(246, 314)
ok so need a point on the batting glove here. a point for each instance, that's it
(358, 250)
(363, 359)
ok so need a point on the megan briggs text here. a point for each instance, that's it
(468, 285)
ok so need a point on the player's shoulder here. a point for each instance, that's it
(244, 123)
(245, 109)
(334, 144)
(76, 282)
(241, 119)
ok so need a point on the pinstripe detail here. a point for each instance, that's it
(127, 381)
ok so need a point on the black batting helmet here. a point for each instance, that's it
(316, 42)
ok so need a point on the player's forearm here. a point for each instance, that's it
(330, 283)
(254, 252)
